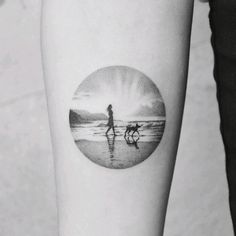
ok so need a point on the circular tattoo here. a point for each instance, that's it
(117, 117)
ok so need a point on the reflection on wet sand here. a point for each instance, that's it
(111, 145)
(132, 141)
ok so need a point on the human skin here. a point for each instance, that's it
(79, 37)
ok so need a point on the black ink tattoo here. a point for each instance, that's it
(117, 117)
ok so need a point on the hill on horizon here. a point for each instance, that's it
(83, 116)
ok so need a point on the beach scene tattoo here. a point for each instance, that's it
(117, 117)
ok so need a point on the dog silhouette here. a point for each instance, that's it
(134, 129)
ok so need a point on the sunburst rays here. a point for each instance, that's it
(125, 88)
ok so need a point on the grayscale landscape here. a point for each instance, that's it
(134, 100)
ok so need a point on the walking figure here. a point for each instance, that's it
(110, 123)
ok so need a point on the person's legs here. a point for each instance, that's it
(113, 128)
(223, 24)
(109, 128)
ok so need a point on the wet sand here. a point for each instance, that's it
(120, 151)
(116, 154)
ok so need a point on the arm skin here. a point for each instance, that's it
(78, 37)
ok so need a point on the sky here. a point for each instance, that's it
(129, 91)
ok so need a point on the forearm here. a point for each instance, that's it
(80, 37)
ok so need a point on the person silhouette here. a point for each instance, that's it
(110, 123)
